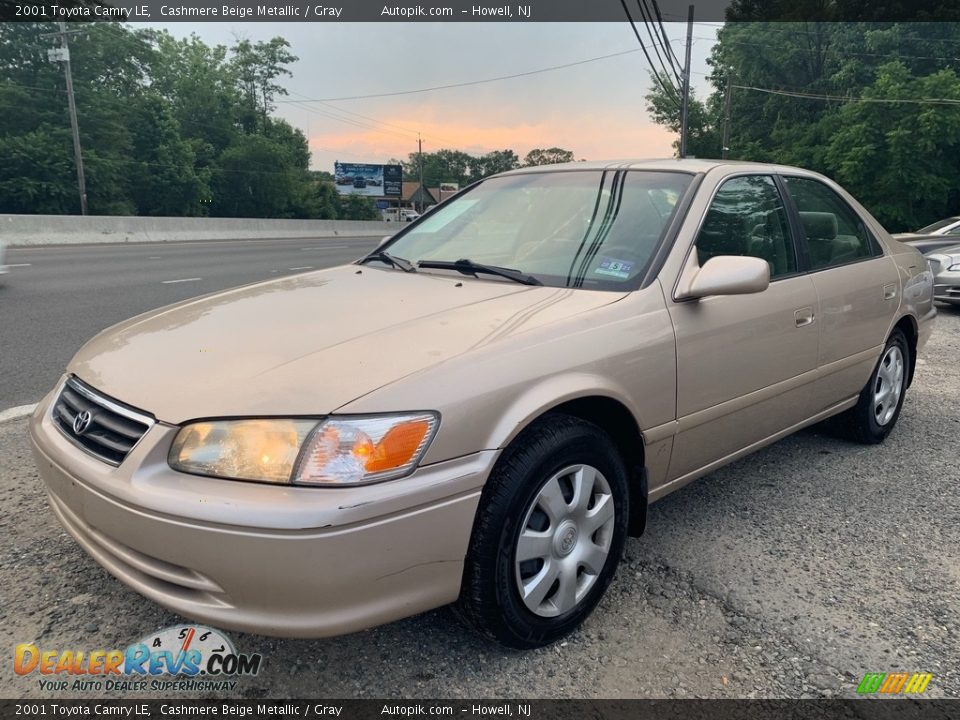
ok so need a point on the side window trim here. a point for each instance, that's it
(801, 248)
(876, 250)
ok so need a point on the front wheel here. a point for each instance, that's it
(877, 410)
(549, 534)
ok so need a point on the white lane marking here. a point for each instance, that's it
(154, 257)
(19, 264)
(328, 247)
(170, 282)
(16, 413)
(305, 267)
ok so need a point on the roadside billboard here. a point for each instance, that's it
(368, 180)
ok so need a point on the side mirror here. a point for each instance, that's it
(728, 275)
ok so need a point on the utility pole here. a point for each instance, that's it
(420, 156)
(62, 55)
(684, 111)
(725, 146)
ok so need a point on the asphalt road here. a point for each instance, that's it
(790, 573)
(57, 297)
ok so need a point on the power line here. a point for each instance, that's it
(358, 115)
(375, 121)
(656, 42)
(473, 82)
(668, 88)
(663, 31)
(848, 98)
(892, 54)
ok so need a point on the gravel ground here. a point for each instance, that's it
(788, 574)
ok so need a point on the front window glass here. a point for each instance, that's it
(747, 217)
(590, 229)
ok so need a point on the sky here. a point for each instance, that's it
(595, 109)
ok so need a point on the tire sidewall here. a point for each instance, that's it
(875, 431)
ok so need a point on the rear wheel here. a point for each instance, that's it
(877, 410)
(549, 534)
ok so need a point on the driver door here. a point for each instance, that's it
(745, 363)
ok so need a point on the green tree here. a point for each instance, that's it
(257, 67)
(35, 172)
(903, 159)
(357, 207)
(494, 162)
(548, 156)
(821, 95)
(164, 176)
(703, 122)
(256, 177)
(201, 87)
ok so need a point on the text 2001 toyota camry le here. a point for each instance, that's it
(481, 410)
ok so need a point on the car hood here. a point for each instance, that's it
(309, 344)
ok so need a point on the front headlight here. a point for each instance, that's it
(336, 451)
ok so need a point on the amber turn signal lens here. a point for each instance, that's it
(398, 446)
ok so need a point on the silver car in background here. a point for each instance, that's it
(945, 266)
(941, 234)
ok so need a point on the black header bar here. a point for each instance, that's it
(462, 11)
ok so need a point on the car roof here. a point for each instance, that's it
(690, 165)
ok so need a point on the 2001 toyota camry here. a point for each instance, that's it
(481, 410)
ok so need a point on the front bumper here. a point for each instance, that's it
(274, 560)
(946, 287)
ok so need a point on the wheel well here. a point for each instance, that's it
(908, 326)
(618, 422)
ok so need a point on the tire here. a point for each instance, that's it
(521, 503)
(871, 420)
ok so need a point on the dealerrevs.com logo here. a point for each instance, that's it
(183, 657)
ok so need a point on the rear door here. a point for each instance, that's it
(745, 363)
(857, 286)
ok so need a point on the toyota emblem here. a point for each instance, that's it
(82, 422)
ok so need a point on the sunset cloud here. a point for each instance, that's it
(596, 109)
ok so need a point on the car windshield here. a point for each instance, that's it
(583, 228)
(938, 225)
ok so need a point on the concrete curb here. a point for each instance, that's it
(32, 230)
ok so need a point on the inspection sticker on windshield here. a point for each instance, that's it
(615, 268)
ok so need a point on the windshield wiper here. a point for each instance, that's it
(469, 267)
(392, 260)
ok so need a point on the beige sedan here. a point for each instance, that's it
(480, 411)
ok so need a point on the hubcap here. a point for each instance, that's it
(564, 540)
(888, 386)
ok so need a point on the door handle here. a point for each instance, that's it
(804, 317)
(889, 291)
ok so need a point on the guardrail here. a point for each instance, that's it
(78, 230)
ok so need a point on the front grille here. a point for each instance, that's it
(108, 429)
